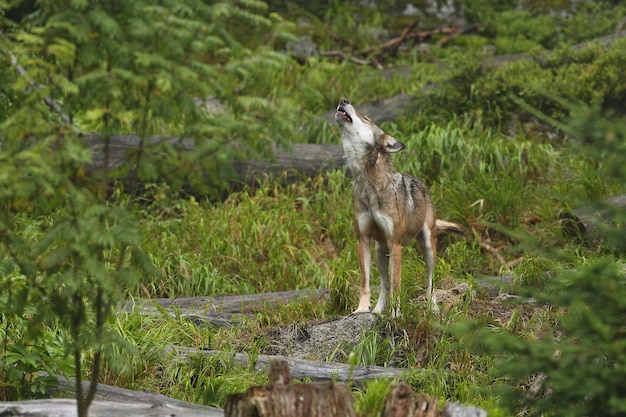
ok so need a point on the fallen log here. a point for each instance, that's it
(227, 310)
(588, 222)
(109, 401)
(289, 163)
(220, 311)
(62, 407)
(281, 399)
(300, 368)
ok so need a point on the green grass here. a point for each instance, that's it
(300, 236)
(506, 190)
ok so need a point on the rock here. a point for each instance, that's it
(319, 341)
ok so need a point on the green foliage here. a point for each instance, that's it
(517, 26)
(486, 94)
(579, 369)
(210, 379)
(25, 349)
(72, 245)
(141, 68)
(370, 400)
(75, 253)
(220, 249)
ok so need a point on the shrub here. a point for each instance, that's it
(578, 369)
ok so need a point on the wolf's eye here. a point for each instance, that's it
(367, 118)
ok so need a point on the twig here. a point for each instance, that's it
(393, 43)
(460, 31)
(50, 102)
(345, 57)
(495, 252)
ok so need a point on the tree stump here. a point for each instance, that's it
(280, 399)
(400, 402)
(327, 399)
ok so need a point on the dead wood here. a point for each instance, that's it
(489, 249)
(451, 409)
(329, 399)
(400, 402)
(65, 407)
(371, 55)
(301, 368)
(588, 222)
(289, 163)
(281, 399)
(220, 311)
(345, 57)
(392, 44)
(109, 401)
(461, 31)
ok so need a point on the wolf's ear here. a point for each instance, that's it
(391, 144)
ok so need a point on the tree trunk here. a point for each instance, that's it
(280, 399)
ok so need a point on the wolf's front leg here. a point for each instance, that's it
(395, 270)
(365, 258)
(382, 262)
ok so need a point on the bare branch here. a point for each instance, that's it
(50, 102)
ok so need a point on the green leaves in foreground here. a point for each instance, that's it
(148, 68)
(580, 369)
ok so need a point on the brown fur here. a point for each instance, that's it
(389, 207)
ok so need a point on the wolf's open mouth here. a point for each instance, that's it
(341, 113)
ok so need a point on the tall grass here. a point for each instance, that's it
(273, 237)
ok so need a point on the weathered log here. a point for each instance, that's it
(290, 163)
(227, 310)
(281, 399)
(458, 410)
(62, 407)
(221, 311)
(109, 401)
(302, 368)
(587, 222)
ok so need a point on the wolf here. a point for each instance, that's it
(389, 207)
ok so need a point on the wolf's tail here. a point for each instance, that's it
(444, 226)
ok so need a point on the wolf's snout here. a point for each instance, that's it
(342, 115)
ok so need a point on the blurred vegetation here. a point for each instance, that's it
(512, 124)
(577, 367)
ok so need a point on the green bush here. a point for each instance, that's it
(579, 367)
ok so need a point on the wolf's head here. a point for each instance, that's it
(358, 132)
